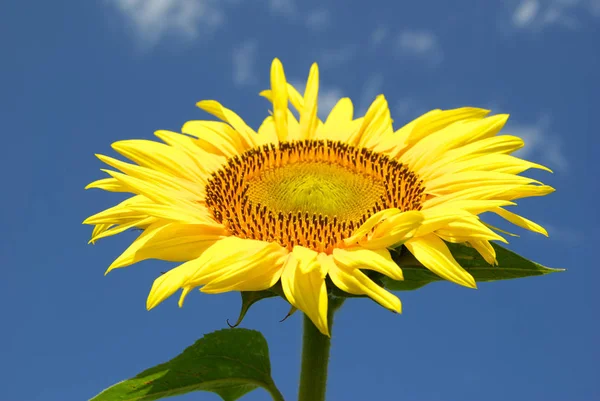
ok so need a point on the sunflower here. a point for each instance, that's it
(304, 199)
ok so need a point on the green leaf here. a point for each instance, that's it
(229, 362)
(510, 266)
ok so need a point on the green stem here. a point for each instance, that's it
(315, 357)
(275, 393)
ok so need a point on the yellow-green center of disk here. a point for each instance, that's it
(312, 193)
(315, 186)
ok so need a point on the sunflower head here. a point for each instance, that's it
(303, 199)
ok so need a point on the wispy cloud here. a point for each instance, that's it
(318, 20)
(244, 60)
(536, 15)
(283, 7)
(377, 36)
(420, 44)
(153, 19)
(330, 58)
(540, 143)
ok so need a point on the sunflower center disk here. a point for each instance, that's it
(311, 193)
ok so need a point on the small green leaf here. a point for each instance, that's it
(229, 362)
(510, 266)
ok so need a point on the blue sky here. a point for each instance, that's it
(76, 76)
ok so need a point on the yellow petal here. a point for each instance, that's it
(394, 230)
(160, 157)
(119, 212)
(168, 283)
(377, 123)
(378, 260)
(258, 267)
(308, 115)
(108, 184)
(433, 253)
(486, 250)
(520, 221)
(339, 125)
(293, 95)
(369, 224)
(438, 217)
(193, 190)
(477, 206)
(303, 283)
(206, 161)
(174, 242)
(216, 109)
(467, 227)
(433, 122)
(355, 282)
(456, 182)
(280, 100)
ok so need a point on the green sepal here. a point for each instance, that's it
(249, 298)
(510, 266)
(229, 362)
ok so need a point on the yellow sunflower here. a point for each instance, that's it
(303, 199)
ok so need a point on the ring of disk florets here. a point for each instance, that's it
(227, 189)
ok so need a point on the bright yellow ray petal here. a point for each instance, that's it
(118, 212)
(429, 149)
(294, 97)
(303, 283)
(124, 225)
(520, 221)
(280, 100)
(99, 229)
(378, 260)
(394, 230)
(160, 157)
(308, 115)
(467, 227)
(433, 253)
(477, 206)
(108, 184)
(259, 269)
(174, 242)
(486, 250)
(354, 281)
(433, 122)
(205, 161)
(216, 109)
(456, 182)
(189, 189)
(339, 125)
(500, 163)
(168, 283)
(217, 138)
(377, 123)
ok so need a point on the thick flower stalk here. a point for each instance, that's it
(302, 199)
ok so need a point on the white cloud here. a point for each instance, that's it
(377, 36)
(536, 15)
(283, 7)
(337, 57)
(540, 144)
(244, 60)
(422, 44)
(525, 12)
(318, 20)
(152, 19)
